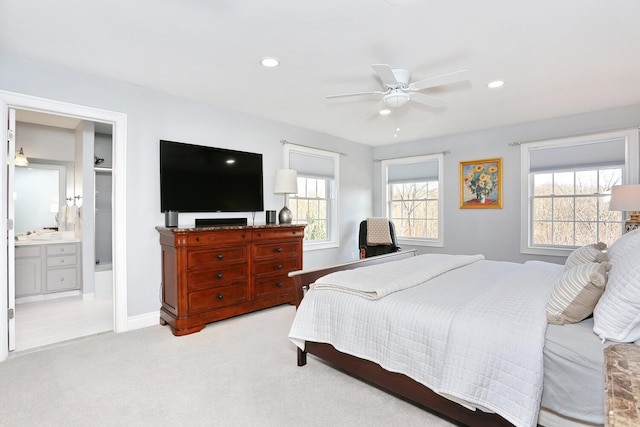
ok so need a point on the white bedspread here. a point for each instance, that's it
(376, 281)
(475, 333)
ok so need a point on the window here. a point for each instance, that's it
(413, 198)
(315, 204)
(567, 184)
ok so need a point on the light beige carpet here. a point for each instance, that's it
(237, 372)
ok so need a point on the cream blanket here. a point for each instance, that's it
(378, 231)
(376, 281)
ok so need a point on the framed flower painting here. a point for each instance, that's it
(481, 184)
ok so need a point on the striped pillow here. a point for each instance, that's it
(585, 254)
(577, 292)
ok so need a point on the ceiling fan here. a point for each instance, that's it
(398, 88)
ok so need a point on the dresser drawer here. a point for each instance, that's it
(212, 258)
(274, 266)
(277, 250)
(212, 299)
(62, 249)
(217, 237)
(59, 261)
(273, 286)
(216, 277)
(61, 279)
(278, 234)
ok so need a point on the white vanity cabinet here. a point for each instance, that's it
(47, 267)
(28, 270)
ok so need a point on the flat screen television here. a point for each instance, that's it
(195, 178)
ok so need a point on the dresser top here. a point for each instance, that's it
(226, 227)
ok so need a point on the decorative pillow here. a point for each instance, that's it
(616, 317)
(576, 293)
(585, 254)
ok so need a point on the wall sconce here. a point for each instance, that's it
(627, 198)
(21, 159)
(286, 183)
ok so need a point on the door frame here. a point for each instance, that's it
(119, 123)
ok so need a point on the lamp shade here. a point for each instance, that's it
(625, 198)
(286, 182)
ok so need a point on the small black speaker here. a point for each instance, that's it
(271, 217)
(170, 218)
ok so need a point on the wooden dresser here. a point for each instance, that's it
(214, 273)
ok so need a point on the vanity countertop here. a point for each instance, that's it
(45, 242)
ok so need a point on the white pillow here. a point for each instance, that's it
(586, 254)
(623, 244)
(616, 317)
(576, 293)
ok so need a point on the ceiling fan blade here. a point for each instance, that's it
(445, 79)
(429, 100)
(344, 95)
(386, 74)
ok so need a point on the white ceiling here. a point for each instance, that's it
(557, 57)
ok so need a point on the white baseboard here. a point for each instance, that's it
(143, 320)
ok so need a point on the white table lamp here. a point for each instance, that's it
(627, 198)
(286, 183)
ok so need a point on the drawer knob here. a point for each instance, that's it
(279, 267)
(62, 279)
(61, 249)
(220, 256)
(197, 239)
(279, 284)
(61, 261)
(220, 296)
(219, 275)
(278, 249)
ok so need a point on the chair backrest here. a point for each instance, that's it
(370, 251)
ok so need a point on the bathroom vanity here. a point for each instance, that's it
(44, 267)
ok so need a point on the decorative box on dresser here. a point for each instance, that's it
(213, 273)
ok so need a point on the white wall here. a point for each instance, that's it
(152, 116)
(495, 232)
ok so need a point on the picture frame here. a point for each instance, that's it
(481, 184)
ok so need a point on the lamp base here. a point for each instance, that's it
(285, 216)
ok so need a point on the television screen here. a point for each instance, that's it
(195, 178)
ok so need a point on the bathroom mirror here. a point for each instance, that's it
(39, 194)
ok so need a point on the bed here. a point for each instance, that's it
(442, 361)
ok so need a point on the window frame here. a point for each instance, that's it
(385, 199)
(333, 238)
(629, 175)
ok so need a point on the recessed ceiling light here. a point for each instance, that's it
(384, 112)
(230, 161)
(495, 84)
(269, 62)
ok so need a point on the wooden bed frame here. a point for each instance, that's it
(373, 373)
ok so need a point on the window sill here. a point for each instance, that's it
(313, 246)
(560, 252)
(420, 242)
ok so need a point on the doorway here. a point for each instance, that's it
(59, 297)
(12, 101)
